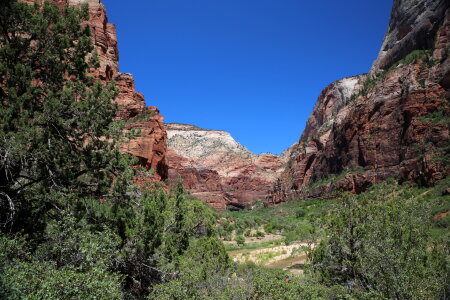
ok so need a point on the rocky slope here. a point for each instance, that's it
(217, 169)
(392, 122)
(150, 145)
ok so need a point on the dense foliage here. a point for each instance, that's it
(381, 242)
(73, 225)
(391, 242)
(294, 220)
(55, 127)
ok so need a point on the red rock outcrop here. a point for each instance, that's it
(150, 145)
(395, 122)
(217, 169)
(201, 182)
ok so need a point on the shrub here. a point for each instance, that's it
(259, 234)
(44, 280)
(300, 213)
(239, 231)
(290, 237)
(240, 240)
(380, 242)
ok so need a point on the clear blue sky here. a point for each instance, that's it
(251, 67)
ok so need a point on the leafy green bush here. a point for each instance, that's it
(227, 237)
(259, 234)
(239, 231)
(380, 242)
(300, 213)
(72, 263)
(192, 272)
(290, 237)
(44, 280)
(240, 240)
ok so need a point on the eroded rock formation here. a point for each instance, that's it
(150, 145)
(217, 169)
(393, 122)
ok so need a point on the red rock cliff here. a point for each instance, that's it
(217, 169)
(150, 146)
(393, 122)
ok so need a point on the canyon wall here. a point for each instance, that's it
(390, 123)
(217, 169)
(150, 145)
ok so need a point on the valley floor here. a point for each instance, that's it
(287, 257)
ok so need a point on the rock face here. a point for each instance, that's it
(413, 25)
(150, 146)
(217, 169)
(393, 122)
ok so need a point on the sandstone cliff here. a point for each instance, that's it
(392, 122)
(217, 169)
(150, 146)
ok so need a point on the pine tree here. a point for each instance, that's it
(72, 226)
(56, 122)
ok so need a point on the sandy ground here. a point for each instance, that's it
(287, 257)
(282, 256)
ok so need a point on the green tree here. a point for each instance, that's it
(56, 122)
(240, 240)
(61, 173)
(379, 242)
(72, 263)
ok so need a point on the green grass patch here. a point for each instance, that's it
(438, 117)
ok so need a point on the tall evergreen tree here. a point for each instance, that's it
(72, 226)
(56, 121)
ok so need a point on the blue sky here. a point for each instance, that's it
(251, 67)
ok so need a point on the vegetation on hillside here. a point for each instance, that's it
(294, 220)
(383, 244)
(422, 56)
(380, 243)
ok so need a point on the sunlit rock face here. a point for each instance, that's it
(150, 145)
(392, 122)
(217, 169)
